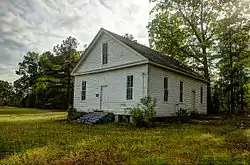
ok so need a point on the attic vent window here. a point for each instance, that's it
(104, 53)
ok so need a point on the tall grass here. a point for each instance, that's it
(45, 138)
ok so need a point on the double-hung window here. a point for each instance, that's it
(181, 91)
(129, 93)
(83, 90)
(201, 93)
(165, 88)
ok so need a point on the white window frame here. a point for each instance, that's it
(165, 88)
(104, 56)
(129, 87)
(84, 90)
(181, 92)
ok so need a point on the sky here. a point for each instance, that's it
(38, 25)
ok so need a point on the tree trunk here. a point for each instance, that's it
(232, 109)
(68, 91)
(241, 98)
(210, 109)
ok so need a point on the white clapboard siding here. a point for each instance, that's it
(116, 81)
(118, 54)
(156, 89)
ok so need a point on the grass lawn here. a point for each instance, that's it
(32, 136)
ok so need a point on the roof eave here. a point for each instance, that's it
(178, 71)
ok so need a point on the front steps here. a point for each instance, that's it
(97, 117)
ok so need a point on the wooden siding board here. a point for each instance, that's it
(118, 54)
(156, 86)
(116, 81)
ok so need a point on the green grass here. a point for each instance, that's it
(30, 136)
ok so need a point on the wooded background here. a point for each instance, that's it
(210, 36)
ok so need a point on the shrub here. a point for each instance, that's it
(182, 115)
(143, 114)
(194, 114)
(73, 114)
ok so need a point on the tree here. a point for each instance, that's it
(6, 93)
(28, 70)
(233, 54)
(186, 31)
(130, 37)
(45, 80)
(68, 56)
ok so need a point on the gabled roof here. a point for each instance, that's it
(155, 56)
(152, 55)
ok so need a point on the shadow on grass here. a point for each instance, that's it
(19, 111)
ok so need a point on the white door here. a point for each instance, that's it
(104, 98)
(193, 101)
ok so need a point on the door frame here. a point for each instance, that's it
(101, 94)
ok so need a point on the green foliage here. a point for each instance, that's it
(185, 30)
(45, 80)
(182, 112)
(130, 37)
(6, 93)
(239, 139)
(229, 160)
(194, 115)
(73, 114)
(210, 36)
(182, 115)
(247, 95)
(144, 113)
(233, 54)
(47, 138)
(137, 115)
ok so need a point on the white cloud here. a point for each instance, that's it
(38, 25)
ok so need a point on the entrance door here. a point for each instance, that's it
(193, 101)
(104, 97)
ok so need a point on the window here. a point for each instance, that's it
(129, 87)
(104, 53)
(181, 91)
(201, 94)
(165, 89)
(83, 90)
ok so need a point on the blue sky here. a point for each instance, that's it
(38, 25)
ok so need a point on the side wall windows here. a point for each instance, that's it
(165, 89)
(129, 91)
(201, 94)
(181, 91)
(83, 90)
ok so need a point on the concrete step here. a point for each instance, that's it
(93, 118)
(88, 123)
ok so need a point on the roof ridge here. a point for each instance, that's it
(154, 55)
